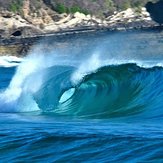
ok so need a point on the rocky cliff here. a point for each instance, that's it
(34, 18)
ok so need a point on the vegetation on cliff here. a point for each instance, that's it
(95, 7)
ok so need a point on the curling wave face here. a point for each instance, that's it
(105, 91)
(117, 91)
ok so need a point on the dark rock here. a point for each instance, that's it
(156, 11)
(56, 17)
(29, 31)
(17, 33)
(107, 14)
(26, 31)
(7, 16)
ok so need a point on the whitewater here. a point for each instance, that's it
(85, 98)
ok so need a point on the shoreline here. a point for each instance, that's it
(20, 46)
(14, 40)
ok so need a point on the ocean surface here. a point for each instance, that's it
(94, 97)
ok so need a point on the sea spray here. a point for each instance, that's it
(31, 75)
(18, 95)
(86, 67)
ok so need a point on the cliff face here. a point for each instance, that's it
(31, 17)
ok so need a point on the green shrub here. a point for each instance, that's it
(60, 8)
(16, 6)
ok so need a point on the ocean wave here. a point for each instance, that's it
(104, 89)
(117, 91)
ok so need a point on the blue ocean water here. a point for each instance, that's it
(86, 98)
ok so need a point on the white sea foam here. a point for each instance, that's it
(10, 61)
(20, 88)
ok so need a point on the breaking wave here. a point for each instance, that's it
(95, 89)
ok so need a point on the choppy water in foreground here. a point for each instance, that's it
(92, 98)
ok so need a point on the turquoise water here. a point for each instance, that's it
(90, 98)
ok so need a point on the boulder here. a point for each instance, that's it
(80, 16)
(156, 11)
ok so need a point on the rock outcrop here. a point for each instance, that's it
(34, 24)
(156, 11)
